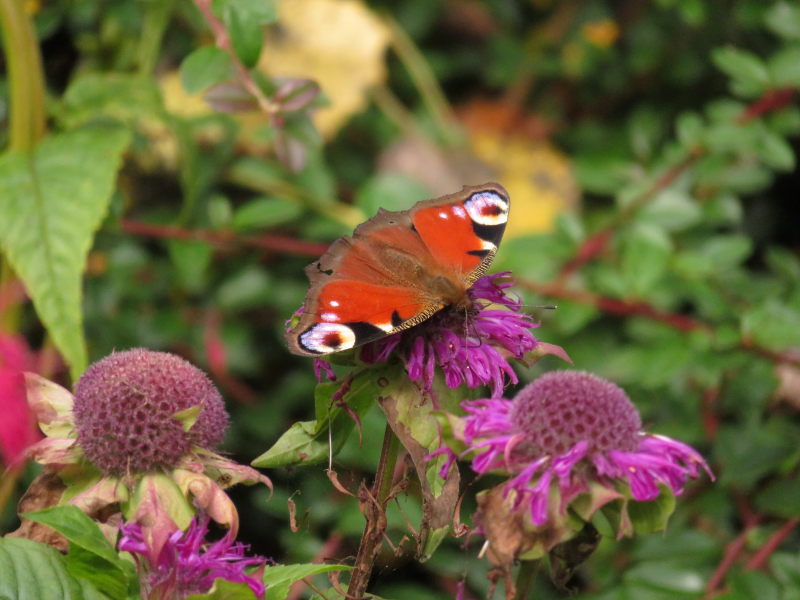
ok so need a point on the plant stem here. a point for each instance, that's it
(375, 500)
(156, 17)
(25, 76)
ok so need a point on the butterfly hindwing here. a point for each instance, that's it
(398, 269)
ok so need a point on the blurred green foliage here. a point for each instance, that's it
(677, 276)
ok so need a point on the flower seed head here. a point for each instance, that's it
(562, 408)
(125, 405)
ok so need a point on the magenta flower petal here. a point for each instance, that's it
(471, 349)
(18, 429)
(188, 564)
(575, 429)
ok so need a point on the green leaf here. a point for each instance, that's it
(742, 66)
(307, 442)
(205, 67)
(250, 287)
(784, 19)
(784, 67)
(390, 191)
(748, 453)
(265, 212)
(114, 95)
(752, 585)
(689, 127)
(679, 582)
(32, 570)
(780, 498)
(111, 579)
(191, 259)
(416, 425)
(775, 151)
(672, 210)
(52, 202)
(652, 515)
(225, 590)
(245, 32)
(645, 253)
(78, 528)
(280, 578)
(772, 324)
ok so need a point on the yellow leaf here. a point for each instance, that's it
(339, 44)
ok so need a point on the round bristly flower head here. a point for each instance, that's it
(472, 347)
(187, 564)
(125, 411)
(571, 439)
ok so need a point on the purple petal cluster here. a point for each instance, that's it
(470, 348)
(188, 564)
(558, 431)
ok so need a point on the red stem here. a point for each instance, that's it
(734, 549)
(281, 244)
(760, 557)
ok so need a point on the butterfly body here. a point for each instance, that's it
(398, 269)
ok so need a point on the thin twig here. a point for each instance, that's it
(281, 244)
(762, 555)
(223, 42)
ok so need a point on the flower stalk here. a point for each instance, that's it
(375, 499)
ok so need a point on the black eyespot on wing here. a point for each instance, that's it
(396, 319)
(479, 253)
(489, 233)
(365, 332)
(323, 271)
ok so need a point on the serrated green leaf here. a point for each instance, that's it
(52, 202)
(204, 67)
(741, 65)
(32, 570)
(265, 212)
(784, 19)
(279, 578)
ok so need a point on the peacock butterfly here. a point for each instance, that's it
(398, 269)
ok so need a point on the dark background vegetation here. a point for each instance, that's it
(649, 149)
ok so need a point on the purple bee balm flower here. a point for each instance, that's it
(472, 348)
(570, 433)
(187, 564)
